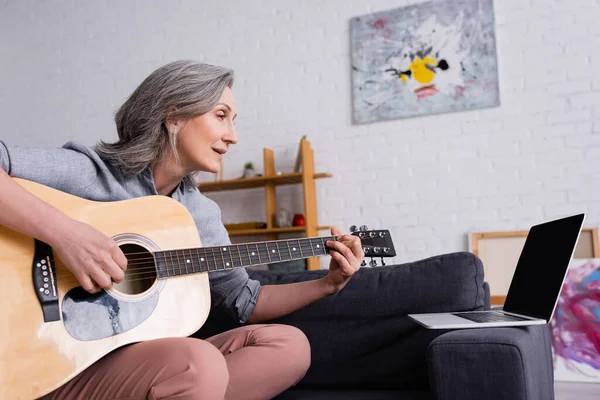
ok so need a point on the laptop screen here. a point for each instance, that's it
(542, 267)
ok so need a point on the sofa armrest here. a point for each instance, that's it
(492, 363)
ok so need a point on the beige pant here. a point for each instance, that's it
(251, 362)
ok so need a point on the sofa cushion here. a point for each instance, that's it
(361, 336)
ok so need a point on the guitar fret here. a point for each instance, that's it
(244, 256)
(210, 261)
(172, 261)
(192, 261)
(195, 261)
(312, 250)
(274, 255)
(323, 240)
(215, 260)
(258, 253)
(299, 248)
(202, 258)
(265, 249)
(240, 256)
(178, 263)
(186, 261)
(222, 251)
(249, 255)
(305, 249)
(318, 244)
(231, 257)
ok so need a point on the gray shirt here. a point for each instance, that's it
(78, 170)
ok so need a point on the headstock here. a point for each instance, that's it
(375, 243)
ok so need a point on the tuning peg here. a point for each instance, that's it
(363, 228)
(353, 228)
(372, 263)
(382, 262)
(363, 263)
(381, 234)
(372, 234)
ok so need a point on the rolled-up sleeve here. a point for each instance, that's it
(232, 291)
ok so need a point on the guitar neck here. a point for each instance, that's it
(221, 258)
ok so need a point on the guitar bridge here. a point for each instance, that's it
(44, 281)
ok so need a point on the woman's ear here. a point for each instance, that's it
(172, 123)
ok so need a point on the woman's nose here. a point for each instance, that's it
(231, 136)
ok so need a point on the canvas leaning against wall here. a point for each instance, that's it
(428, 58)
(575, 326)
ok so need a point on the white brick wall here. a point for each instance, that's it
(67, 65)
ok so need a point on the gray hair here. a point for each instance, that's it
(177, 91)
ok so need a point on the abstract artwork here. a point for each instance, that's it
(575, 326)
(433, 57)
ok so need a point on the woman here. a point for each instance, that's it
(180, 120)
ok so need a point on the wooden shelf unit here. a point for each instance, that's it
(269, 181)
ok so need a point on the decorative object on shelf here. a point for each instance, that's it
(429, 58)
(298, 163)
(284, 218)
(299, 220)
(575, 326)
(248, 170)
(270, 181)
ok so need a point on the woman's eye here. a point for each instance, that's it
(221, 116)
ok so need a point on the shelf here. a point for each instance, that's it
(257, 181)
(269, 182)
(264, 231)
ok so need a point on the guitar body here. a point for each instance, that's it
(38, 356)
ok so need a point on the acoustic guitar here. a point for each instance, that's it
(52, 329)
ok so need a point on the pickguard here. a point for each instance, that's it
(96, 316)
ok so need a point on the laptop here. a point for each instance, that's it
(535, 286)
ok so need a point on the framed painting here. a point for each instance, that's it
(433, 57)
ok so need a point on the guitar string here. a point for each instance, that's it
(336, 238)
(150, 262)
(150, 265)
(69, 278)
(151, 271)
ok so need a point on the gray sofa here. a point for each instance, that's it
(365, 347)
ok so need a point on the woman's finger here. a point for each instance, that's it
(113, 270)
(345, 267)
(101, 278)
(87, 284)
(342, 248)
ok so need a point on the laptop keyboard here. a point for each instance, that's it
(488, 317)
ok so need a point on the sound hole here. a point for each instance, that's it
(141, 270)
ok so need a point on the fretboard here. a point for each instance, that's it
(219, 258)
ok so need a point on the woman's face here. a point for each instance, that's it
(203, 141)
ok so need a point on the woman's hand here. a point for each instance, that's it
(94, 259)
(345, 260)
